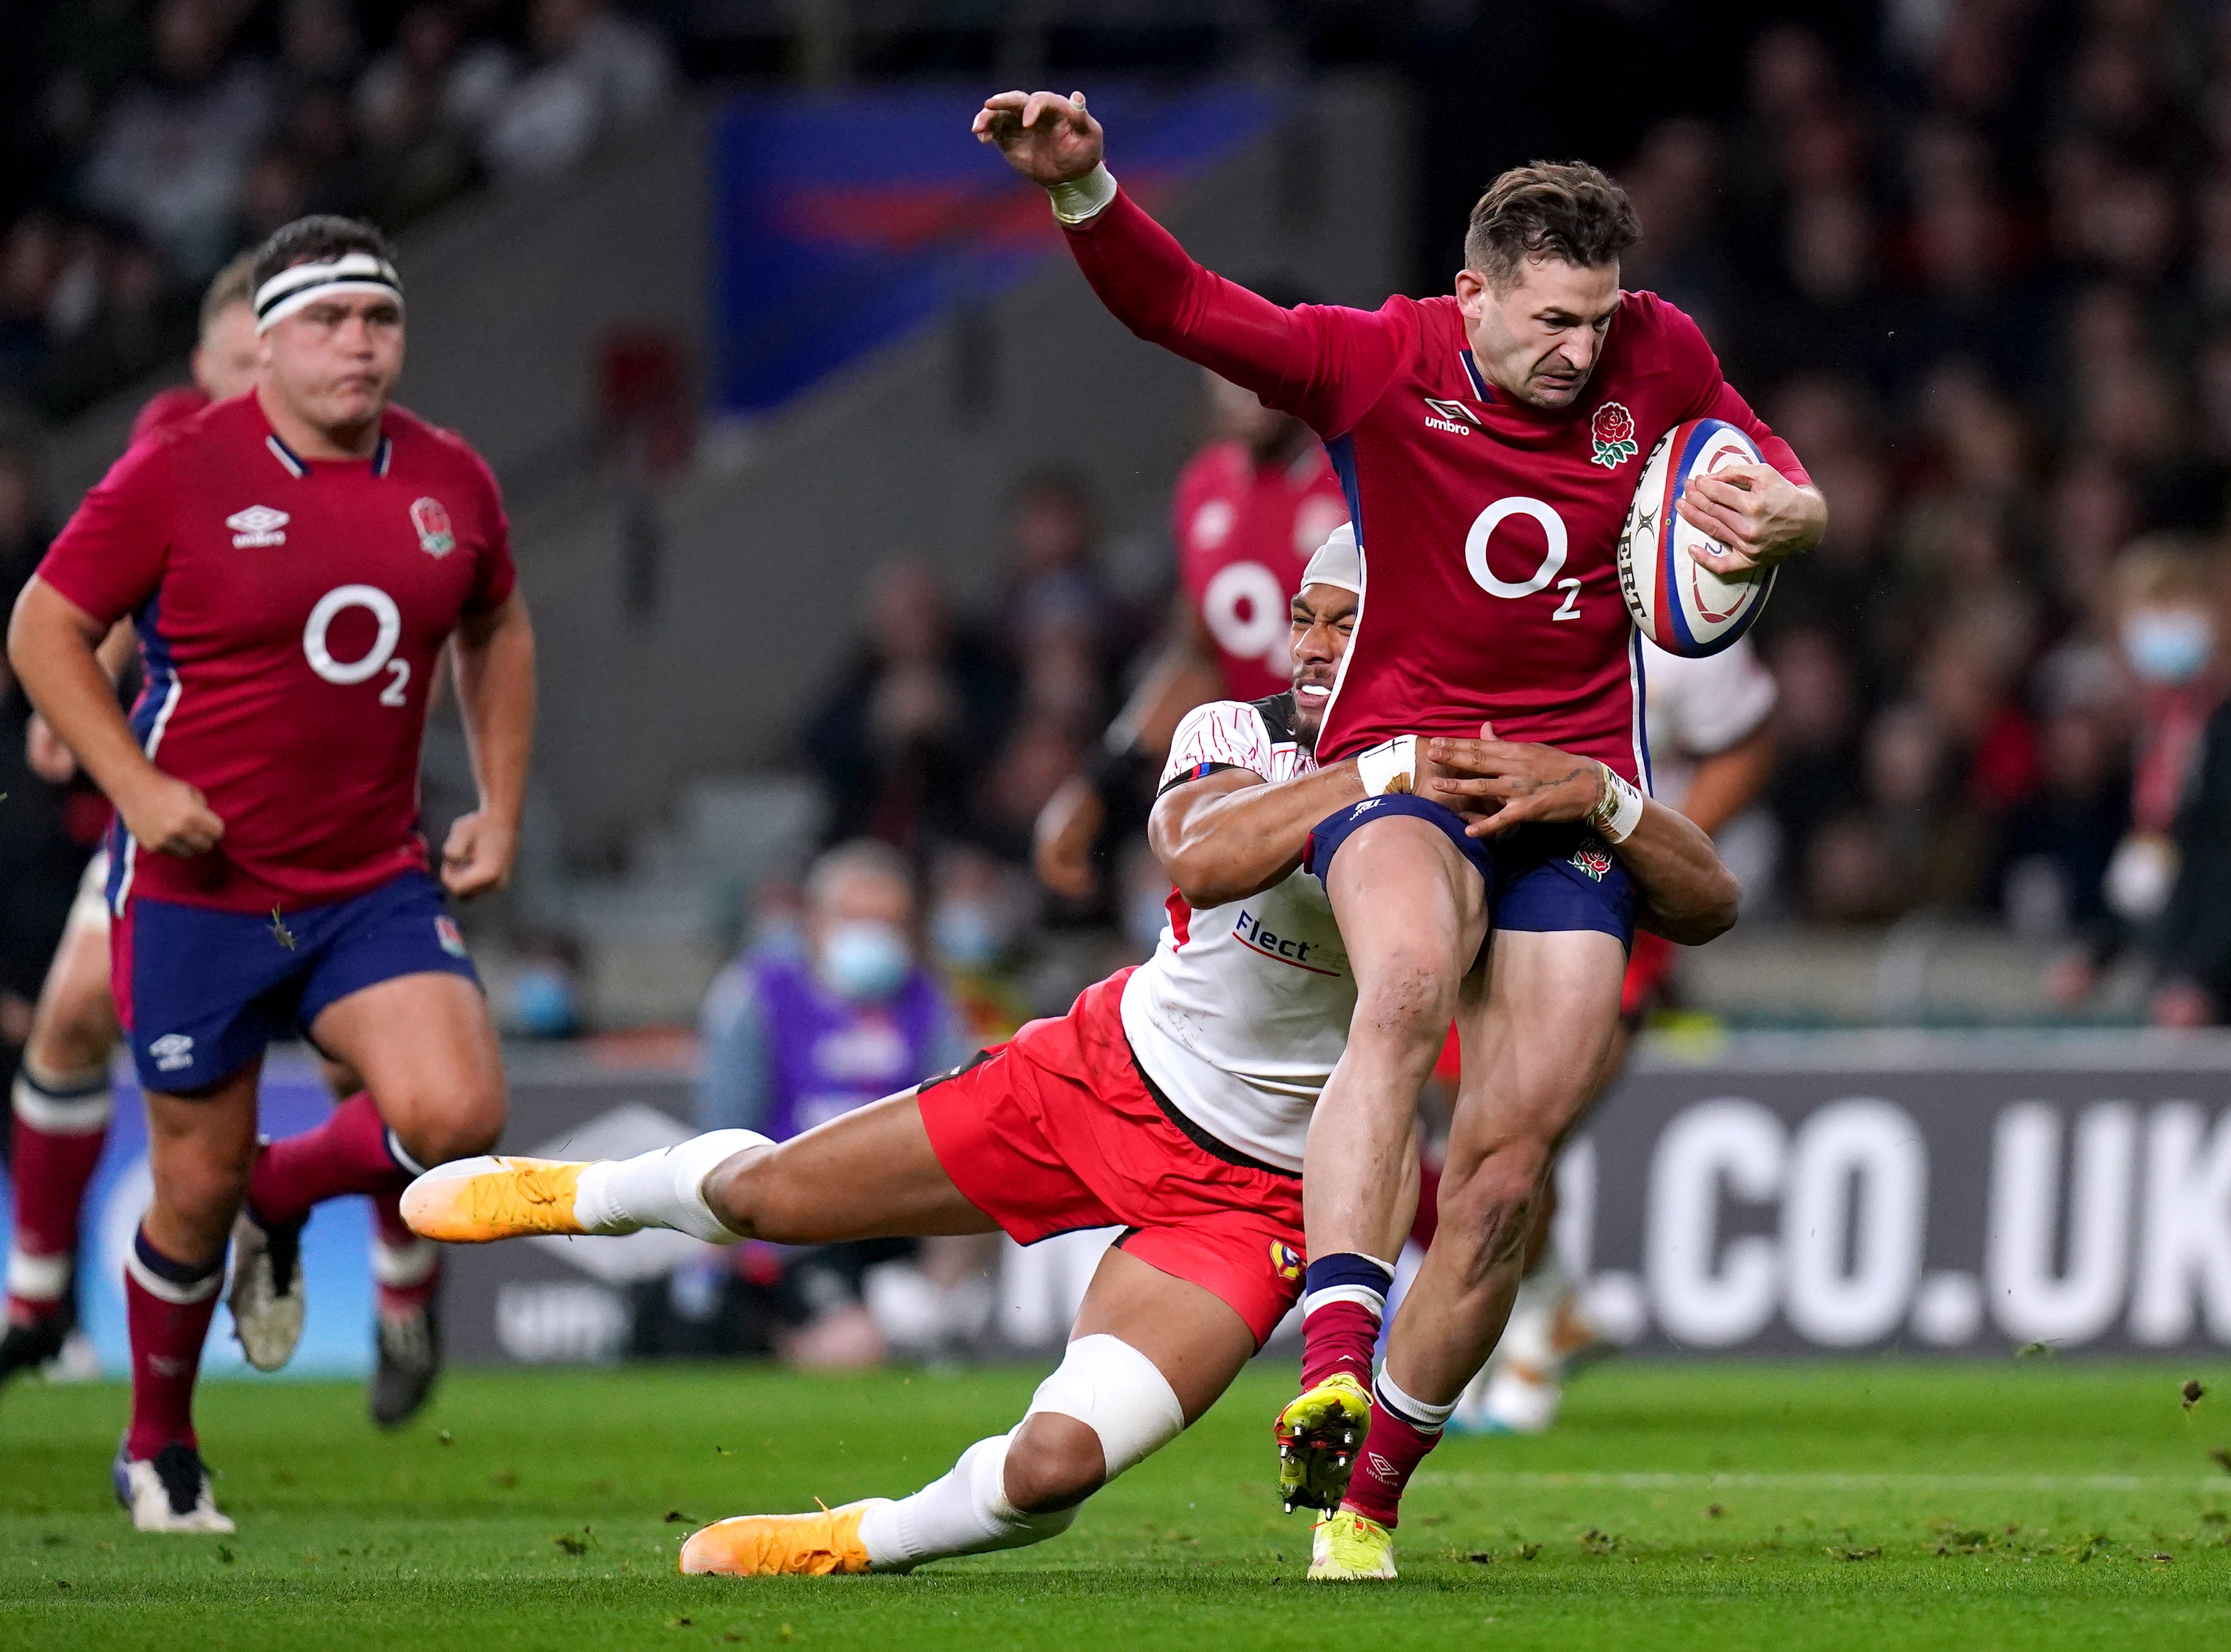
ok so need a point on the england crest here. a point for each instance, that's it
(436, 537)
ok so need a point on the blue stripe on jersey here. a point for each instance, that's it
(1342, 452)
(1641, 713)
(161, 671)
(1478, 379)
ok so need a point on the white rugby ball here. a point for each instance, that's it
(1677, 603)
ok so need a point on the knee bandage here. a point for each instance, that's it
(1117, 1392)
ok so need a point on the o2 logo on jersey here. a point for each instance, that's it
(436, 537)
(1553, 555)
(1245, 609)
(381, 656)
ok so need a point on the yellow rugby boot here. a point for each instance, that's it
(472, 1201)
(822, 1544)
(1319, 1434)
(1348, 1547)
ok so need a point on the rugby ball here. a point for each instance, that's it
(1677, 603)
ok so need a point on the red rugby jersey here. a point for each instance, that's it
(290, 613)
(1245, 532)
(172, 406)
(1489, 528)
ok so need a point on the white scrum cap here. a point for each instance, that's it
(1337, 562)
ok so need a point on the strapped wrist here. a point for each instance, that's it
(1390, 767)
(1077, 200)
(1619, 807)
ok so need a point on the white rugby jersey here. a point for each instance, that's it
(1240, 1014)
(1699, 708)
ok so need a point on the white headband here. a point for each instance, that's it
(1337, 562)
(302, 285)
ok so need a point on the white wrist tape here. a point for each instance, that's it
(1074, 202)
(1391, 766)
(1619, 811)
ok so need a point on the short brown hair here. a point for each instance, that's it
(234, 284)
(318, 239)
(1564, 209)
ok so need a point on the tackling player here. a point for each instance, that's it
(60, 1103)
(295, 559)
(1484, 440)
(1248, 511)
(1174, 1099)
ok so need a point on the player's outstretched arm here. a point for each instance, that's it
(52, 644)
(495, 693)
(1232, 834)
(1690, 895)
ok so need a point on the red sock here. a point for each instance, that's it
(408, 1269)
(168, 1305)
(348, 1153)
(59, 1130)
(1342, 1297)
(1392, 1452)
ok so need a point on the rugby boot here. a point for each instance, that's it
(472, 1201)
(1319, 1434)
(266, 1296)
(1348, 1547)
(28, 1347)
(825, 1542)
(170, 1493)
(409, 1343)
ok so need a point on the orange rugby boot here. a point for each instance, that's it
(476, 1200)
(824, 1543)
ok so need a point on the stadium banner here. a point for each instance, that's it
(846, 220)
(1766, 1194)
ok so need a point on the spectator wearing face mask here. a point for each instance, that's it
(2190, 942)
(793, 1038)
(2167, 606)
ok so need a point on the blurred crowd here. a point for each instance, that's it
(147, 143)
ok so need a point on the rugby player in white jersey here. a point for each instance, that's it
(1173, 1100)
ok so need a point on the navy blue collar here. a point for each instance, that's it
(298, 467)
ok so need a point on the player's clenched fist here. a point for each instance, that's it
(1047, 137)
(477, 857)
(166, 814)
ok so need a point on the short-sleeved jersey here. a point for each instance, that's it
(1489, 528)
(1698, 708)
(290, 613)
(1244, 532)
(1244, 1009)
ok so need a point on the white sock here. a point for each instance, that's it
(661, 1190)
(965, 1513)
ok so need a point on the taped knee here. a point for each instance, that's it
(1117, 1392)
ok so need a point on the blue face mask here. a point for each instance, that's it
(2168, 645)
(964, 934)
(865, 960)
(544, 1004)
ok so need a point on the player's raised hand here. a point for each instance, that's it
(477, 857)
(1756, 511)
(167, 814)
(1047, 137)
(1496, 784)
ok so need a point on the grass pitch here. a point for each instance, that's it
(1862, 1505)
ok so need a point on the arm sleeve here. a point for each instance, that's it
(732, 1083)
(495, 578)
(1223, 734)
(1717, 399)
(1324, 364)
(110, 556)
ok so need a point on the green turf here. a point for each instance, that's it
(1862, 1505)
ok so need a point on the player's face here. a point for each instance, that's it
(225, 357)
(1538, 339)
(334, 362)
(1324, 618)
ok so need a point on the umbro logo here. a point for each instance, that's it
(172, 1051)
(258, 525)
(1452, 416)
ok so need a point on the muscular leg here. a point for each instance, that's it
(428, 1053)
(61, 1109)
(870, 1174)
(1536, 1033)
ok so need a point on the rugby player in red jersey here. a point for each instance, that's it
(1172, 1099)
(1249, 511)
(295, 560)
(1488, 442)
(60, 1103)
